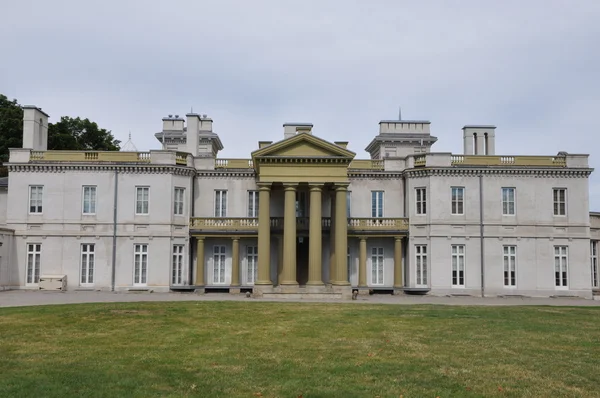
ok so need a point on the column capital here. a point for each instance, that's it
(362, 238)
(341, 186)
(315, 186)
(235, 238)
(264, 186)
(290, 186)
(398, 237)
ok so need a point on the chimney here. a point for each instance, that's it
(172, 123)
(193, 129)
(479, 140)
(205, 123)
(291, 129)
(35, 128)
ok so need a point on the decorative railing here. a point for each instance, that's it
(367, 164)
(377, 224)
(486, 160)
(90, 156)
(181, 158)
(234, 164)
(420, 160)
(218, 223)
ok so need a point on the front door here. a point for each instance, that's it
(302, 260)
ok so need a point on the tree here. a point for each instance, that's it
(67, 134)
(80, 134)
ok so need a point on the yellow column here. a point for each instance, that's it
(289, 236)
(235, 262)
(332, 240)
(200, 261)
(362, 262)
(264, 235)
(315, 251)
(341, 236)
(398, 283)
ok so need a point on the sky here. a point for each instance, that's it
(529, 67)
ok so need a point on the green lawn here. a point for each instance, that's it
(249, 349)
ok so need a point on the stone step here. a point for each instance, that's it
(302, 296)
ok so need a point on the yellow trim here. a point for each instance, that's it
(484, 160)
(319, 144)
(91, 156)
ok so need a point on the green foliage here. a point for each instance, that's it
(67, 134)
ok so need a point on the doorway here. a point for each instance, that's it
(302, 260)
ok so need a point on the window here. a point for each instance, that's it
(35, 199)
(178, 201)
(561, 266)
(560, 201)
(458, 200)
(252, 259)
(34, 252)
(141, 200)
(88, 258)
(510, 268)
(594, 261)
(421, 263)
(348, 264)
(421, 200)
(377, 265)
(89, 200)
(177, 265)
(376, 204)
(220, 203)
(300, 204)
(348, 203)
(218, 264)
(508, 201)
(458, 266)
(253, 204)
(140, 269)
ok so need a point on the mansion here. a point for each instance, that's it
(300, 217)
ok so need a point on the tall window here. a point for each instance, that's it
(220, 203)
(594, 261)
(178, 196)
(421, 200)
(88, 258)
(376, 204)
(510, 265)
(177, 265)
(34, 252)
(89, 199)
(508, 201)
(301, 204)
(458, 266)
(421, 264)
(348, 203)
(219, 264)
(35, 199)
(253, 204)
(140, 266)
(377, 265)
(252, 260)
(348, 264)
(560, 201)
(142, 195)
(458, 200)
(561, 266)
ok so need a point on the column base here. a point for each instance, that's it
(363, 290)
(345, 291)
(398, 291)
(234, 290)
(259, 289)
(199, 290)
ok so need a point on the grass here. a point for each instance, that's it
(254, 349)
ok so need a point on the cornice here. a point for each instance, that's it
(226, 173)
(133, 169)
(474, 172)
(375, 175)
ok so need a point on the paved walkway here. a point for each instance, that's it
(19, 298)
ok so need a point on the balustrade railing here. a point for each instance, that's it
(302, 223)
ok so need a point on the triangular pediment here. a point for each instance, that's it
(304, 145)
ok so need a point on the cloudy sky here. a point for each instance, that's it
(531, 67)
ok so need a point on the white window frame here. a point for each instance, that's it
(220, 203)
(561, 267)
(178, 201)
(88, 199)
(458, 280)
(377, 266)
(421, 271)
(421, 201)
(377, 204)
(253, 204)
(219, 264)
(251, 264)
(557, 202)
(458, 201)
(140, 264)
(507, 201)
(140, 202)
(87, 264)
(177, 264)
(34, 264)
(509, 266)
(36, 199)
(594, 264)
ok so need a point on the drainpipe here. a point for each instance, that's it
(481, 234)
(191, 246)
(114, 244)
